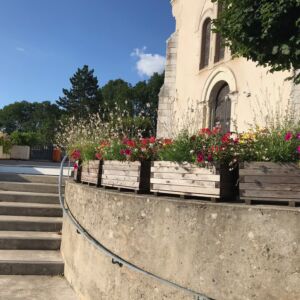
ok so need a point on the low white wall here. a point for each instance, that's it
(3, 155)
(20, 152)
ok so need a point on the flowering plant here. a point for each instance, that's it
(203, 148)
(276, 145)
(134, 149)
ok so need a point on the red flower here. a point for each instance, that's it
(288, 136)
(167, 142)
(226, 138)
(216, 130)
(98, 156)
(200, 158)
(298, 149)
(215, 149)
(127, 152)
(122, 152)
(144, 142)
(205, 131)
(76, 155)
(193, 138)
(152, 139)
(75, 166)
(131, 143)
(210, 158)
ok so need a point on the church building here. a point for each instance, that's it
(205, 86)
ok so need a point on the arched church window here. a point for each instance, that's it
(205, 44)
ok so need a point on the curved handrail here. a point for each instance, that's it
(115, 258)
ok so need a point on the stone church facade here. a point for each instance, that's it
(205, 86)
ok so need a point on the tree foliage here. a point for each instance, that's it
(84, 96)
(265, 31)
(38, 117)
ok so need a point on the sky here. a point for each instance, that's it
(43, 42)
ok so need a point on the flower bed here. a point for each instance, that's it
(272, 173)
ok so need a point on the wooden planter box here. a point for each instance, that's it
(91, 172)
(191, 180)
(270, 182)
(126, 175)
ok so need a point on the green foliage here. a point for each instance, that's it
(181, 150)
(264, 31)
(25, 138)
(84, 96)
(40, 118)
(88, 151)
(281, 145)
(5, 142)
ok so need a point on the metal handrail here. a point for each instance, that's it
(115, 258)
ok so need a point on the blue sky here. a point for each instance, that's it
(42, 43)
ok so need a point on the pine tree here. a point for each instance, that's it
(84, 97)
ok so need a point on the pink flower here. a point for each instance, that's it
(122, 152)
(298, 149)
(298, 135)
(98, 156)
(152, 139)
(75, 167)
(288, 136)
(144, 142)
(127, 152)
(200, 158)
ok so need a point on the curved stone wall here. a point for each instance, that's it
(223, 250)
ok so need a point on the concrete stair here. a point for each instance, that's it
(30, 262)
(30, 225)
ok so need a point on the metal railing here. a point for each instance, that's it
(115, 258)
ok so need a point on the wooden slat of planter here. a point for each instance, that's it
(122, 167)
(186, 176)
(175, 165)
(270, 179)
(270, 165)
(283, 195)
(184, 189)
(89, 174)
(192, 183)
(273, 172)
(120, 172)
(118, 163)
(121, 183)
(182, 170)
(270, 186)
(186, 194)
(125, 178)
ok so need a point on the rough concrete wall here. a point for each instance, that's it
(168, 92)
(229, 252)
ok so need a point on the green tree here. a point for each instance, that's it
(84, 97)
(39, 118)
(265, 31)
(146, 96)
(117, 93)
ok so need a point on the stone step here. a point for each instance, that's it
(21, 223)
(29, 187)
(31, 262)
(29, 197)
(13, 177)
(29, 240)
(30, 209)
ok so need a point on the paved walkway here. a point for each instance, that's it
(35, 288)
(32, 167)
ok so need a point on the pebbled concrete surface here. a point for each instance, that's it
(35, 288)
